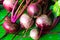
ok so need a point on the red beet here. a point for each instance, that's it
(8, 4)
(26, 21)
(34, 34)
(34, 10)
(43, 22)
(9, 26)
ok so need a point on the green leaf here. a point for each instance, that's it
(2, 31)
(8, 37)
(3, 13)
(56, 9)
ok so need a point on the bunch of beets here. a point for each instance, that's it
(37, 13)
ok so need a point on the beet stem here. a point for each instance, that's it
(22, 10)
(49, 13)
(45, 8)
(55, 21)
(19, 7)
(40, 32)
(14, 8)
(39, 1)
(25, 6)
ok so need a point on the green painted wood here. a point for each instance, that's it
(2, 31)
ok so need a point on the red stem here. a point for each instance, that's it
(49, 13)
(55, 21)
(12, 14)
(39, 1)
(19, 8)
(25, 6)
(20, 13)
(40, 32)
(14, 8)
